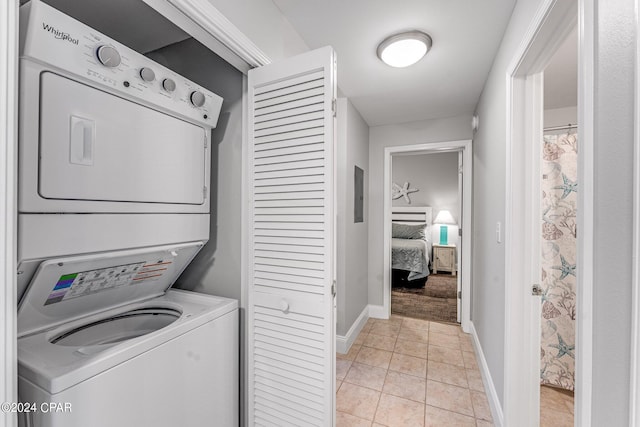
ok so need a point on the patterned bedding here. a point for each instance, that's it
(411, 255)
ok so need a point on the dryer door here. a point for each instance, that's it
(98, 146)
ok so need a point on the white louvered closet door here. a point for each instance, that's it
(291, 326)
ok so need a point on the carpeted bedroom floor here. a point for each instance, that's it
(436, 301)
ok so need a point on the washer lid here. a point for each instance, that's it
(64, 289)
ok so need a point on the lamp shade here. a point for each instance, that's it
(444, 217)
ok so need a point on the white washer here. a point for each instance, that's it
(90, 357)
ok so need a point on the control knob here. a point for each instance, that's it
(197, 98)
(147, 74)
(108, 56)
(168, 85)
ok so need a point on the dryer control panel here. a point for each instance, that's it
(51, 37)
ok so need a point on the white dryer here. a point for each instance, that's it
(101, 344)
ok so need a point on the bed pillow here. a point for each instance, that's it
(406, 231)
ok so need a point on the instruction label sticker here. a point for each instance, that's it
(75, 285)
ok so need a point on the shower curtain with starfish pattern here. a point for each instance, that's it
(559, 200)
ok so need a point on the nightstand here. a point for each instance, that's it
(444, 258)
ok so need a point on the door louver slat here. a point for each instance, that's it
(260, 113)
(285, 278)
(277, 152)
(294, 134)
(263, 232)
(290, 82)
(314, 139)
(289, 248)
(297, 111)
(291, 119)
(285, 375)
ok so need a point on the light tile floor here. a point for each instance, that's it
(405, 372)
(556, 407)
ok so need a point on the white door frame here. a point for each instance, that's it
(634, 405)
(550, 26)
(465, 257)
(8, 226)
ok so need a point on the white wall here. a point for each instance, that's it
(613, 157)
(615, 54)
(435, 175)
(437, 130)
(489, 171)
(216, 269)
(265, 25)
(352, 267)
(560, 116)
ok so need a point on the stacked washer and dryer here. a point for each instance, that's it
(114, 166)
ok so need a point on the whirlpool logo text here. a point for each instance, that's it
(59, 34)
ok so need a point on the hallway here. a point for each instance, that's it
(410, 372)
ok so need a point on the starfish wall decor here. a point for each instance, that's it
(403, 191)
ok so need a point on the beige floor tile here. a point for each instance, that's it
(342, 367)
(380, 342)
(444, 328)
(395, 411)
(556, 400)
(422, 325)
(445, 355)
(469, 360)
(449, 397)
(482, 423)
(447, 373)
(366, 376)
(408, 365)
(550, 418)
(338, 384)
(466, 343)
(351, 355)
(367, 327)
(408, 334)
(394, 318)
(474, 378)
(481, 406)
(359, 401)
(437, 417)
(405, 386)
(412, 348)
(374, 357)
(444, 340)
(386, 329)
(570, 406)
(347, 420)
(362, 336)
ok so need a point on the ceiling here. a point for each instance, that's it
(447, 82)
(561, 75)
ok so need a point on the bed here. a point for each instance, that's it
(410, 245)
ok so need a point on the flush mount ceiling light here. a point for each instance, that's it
(404, 49)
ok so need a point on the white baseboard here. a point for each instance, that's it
(378, 312)
(489, 387)
(344, 342)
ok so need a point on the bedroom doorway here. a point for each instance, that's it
(424, 235)
(451, 265)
